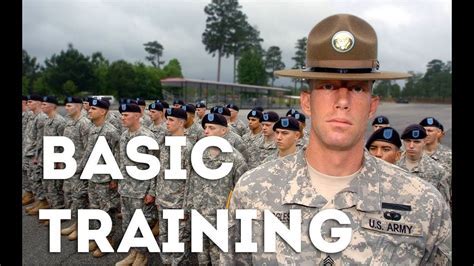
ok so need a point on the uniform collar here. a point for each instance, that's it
(363, 192)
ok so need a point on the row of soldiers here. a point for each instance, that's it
(266, 137)
(421, 152)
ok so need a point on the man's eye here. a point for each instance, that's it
(357, 89)
(328, 87)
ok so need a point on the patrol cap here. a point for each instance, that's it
(287, 122)
(386, 134)
(132, 108)
(291, 111)
(35, 97)
(220, 110)
(176, 112)
(380, 120)
(141, 102)
(165, 104)
(178, 101)
(259, 108)
(24, 98)
(200, 105)
(189, 108)
(414, 131)
(299, 116)
(156, 106)
(255, 113)
(73, 99)
(232, 106)
(100, 103)
(50, 99)
(269, 116)
(214, 118)
(431, 122)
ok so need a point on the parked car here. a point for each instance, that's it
(402, 100)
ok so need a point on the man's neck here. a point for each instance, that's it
(257, 130)
(52, 114)
(291, 150)
(157, 122)
(334, 162)
(178, 132)
(413, 158)
(134, 128)
(431, 148)
(233, 120)
(269, 138)
(99, 121)
(76, 116)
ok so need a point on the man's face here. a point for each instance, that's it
(267, 128)
(24, 105)
(433, 133)
(85, 105)
(385, 151)
(154, 114)
(214, 130)
(233, 113)
(34, 105)
(414, 148)
(95, 113)
(339, 112)
(130, 118)
(201, 111)
(174, 123)
(47, 108)
(254, 123)
(177, 105)
(72, 108)
(285, 138)
(377, 126)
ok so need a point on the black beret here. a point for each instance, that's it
(259, 108)
(50, 99)
(387, 134)
(233, 106)
(414, 131)
(220, 110)
(380, 120)
(200, 105)
(287, 122)
(441, 127)
(132, 108)
(291, 112)
(255, 113)
(178, 101)
(299, 116)
(431, 122)
(131, 101)
(24, 98)
(176, 112)
(87, 99)
(141, 102)
(156, 106)
(214, 118)
(72, 99)
(269, 116)
(104, 104)
(189, 108)
(165, 104)
(35, 97)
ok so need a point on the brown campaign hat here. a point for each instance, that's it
(342, 47)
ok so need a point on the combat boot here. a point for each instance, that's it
(141, 259)
(68, 230)
(156, 229)
(98, 253)
(132, 254)
(92, 245)
(72, 235)
(42, 205)
(27, 209)
(27, 198)
(44, 222)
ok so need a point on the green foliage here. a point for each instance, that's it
(300, 54)
(173, 69)
(30, 72)
(251, 68)
(69, 88)
(155, 51)
(273, 62)
(121, 79)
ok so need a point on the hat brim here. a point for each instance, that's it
(299, 73)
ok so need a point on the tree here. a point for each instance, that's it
(273, 61)
(173, 69)
(224, 19)
(300, 57)
(30, 71)
(100, 67)
(155, 49)
(121, 79)
(146, 81)
(69, 88)
(251, 68)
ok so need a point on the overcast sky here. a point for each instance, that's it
(410, 32)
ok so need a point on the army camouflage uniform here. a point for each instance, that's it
(421, 235)
(159, 131)
(431, 171)
(206, 196)
(194, 133)
(132, 191)
(54, 188)
(197, 121)
(444, 156)
(260, 151)
(236, 142)
(85, 113)
(114, 118)
(34, 140)
(171, 194)
(26, 117)
(240, 127)
(249, 139)
(145, 120)
(75, 189)
(100, 195)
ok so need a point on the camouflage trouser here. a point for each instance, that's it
(54, 194)
(67, 193)
(103, 198)
(184, 237)
(129, 205)
(79, 194)
(210, 252)
(26, 183)
(35, 175)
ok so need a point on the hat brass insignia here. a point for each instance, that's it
(342, 41)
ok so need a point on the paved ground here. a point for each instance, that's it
(36, 237)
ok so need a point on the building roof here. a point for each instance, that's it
(184, 82)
